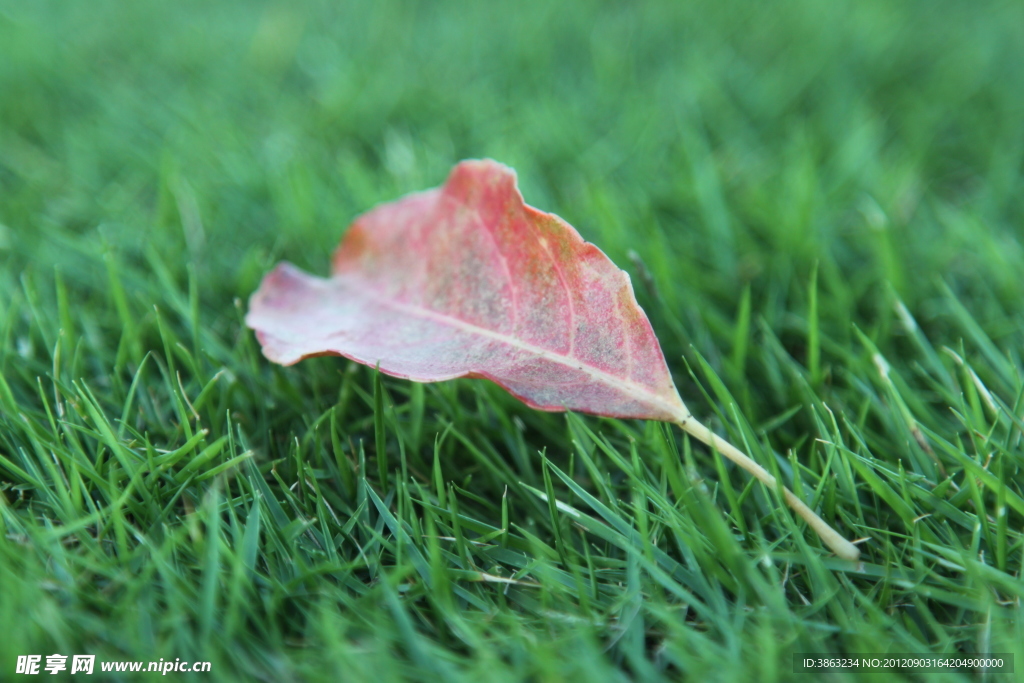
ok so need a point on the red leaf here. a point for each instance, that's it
(468, 281)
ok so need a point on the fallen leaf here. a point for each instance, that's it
(466, 280)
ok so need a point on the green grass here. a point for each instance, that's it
(820, 203)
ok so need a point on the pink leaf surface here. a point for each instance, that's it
(466, 280)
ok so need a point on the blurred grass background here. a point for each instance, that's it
(820, 204)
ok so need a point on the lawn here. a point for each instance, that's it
(821, 206)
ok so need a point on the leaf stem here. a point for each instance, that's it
(830, 536)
